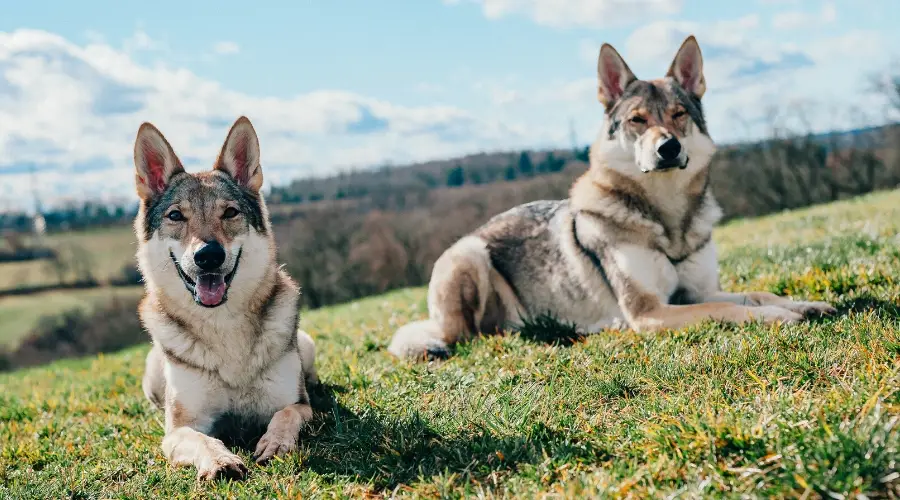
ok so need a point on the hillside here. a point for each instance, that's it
(805, 411)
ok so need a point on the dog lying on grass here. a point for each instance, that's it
(632, 245)
(222, 315)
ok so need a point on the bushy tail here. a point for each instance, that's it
(419, 339)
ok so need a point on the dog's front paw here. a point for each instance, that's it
(275, 442)
(224, 465)
(776, 314)
(808, 309)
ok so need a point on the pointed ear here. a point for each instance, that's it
(154, 161)
(239, 157)
(614, 75)
(687, 67)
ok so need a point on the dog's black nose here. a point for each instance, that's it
(210, 256)
(669, 150)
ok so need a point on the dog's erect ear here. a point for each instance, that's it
(687, 67)
(239, 157)
(154, 161)
(613, 74)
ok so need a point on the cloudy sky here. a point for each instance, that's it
(340, 84)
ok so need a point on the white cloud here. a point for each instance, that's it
(657, 42)
(138, 41)
(226, 48)
(569, 13)
(817, 85)
(748, 75)
(795, 19)
(71, 111)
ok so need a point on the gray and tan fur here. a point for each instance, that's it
(632, 244)
(222, 315)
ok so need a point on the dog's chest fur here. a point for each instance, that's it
(236, 347)
(686, 219)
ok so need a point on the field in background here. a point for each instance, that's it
(808, 410)
(98, 254)
(20, 315)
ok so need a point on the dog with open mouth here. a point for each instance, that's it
(222, 314)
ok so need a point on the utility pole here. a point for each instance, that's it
(39, 225)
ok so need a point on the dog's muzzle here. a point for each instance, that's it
(668, 155)
(210, 289)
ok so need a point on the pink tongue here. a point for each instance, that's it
(210, 289)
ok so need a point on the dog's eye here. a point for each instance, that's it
(678, 115)
(230, 213)
(638, 119)
(175, 215)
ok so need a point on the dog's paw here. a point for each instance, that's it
(275, 442)
(808, 309)
(225, 466)
(776, 314)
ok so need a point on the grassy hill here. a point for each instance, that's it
(807, 410)
(98, 253)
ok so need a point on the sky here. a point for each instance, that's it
(351, 84)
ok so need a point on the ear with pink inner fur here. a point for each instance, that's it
(613, 74)
(239, 157)
(687, 67)
(154, 161)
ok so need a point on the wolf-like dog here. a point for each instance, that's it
(221, 313)
(631, 246)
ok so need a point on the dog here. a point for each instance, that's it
(221, 313)
(631, 246)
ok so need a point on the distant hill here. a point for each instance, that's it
(385, 184)
(404, 187)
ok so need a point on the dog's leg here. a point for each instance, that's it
(283, 432)
(186, 443)
(192, 404)
(660, 316)
(308, 357)
(154, 382)
(699, 277)
(770, 299)
(642, 280)
(457, 297)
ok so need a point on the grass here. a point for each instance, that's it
(802, 411)
(104, 251)
(19, 314)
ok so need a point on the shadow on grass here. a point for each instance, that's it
(550, 330)
(868, 303)
(387, 451)
(237, 432)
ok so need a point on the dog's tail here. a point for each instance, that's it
(419, 339)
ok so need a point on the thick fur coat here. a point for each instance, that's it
(632, 245)
(221, 314)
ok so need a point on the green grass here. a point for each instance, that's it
(105, 252)
(804, 411)
(19, 314)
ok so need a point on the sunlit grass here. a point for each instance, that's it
(808, 410)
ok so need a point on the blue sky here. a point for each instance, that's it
(353, 84)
